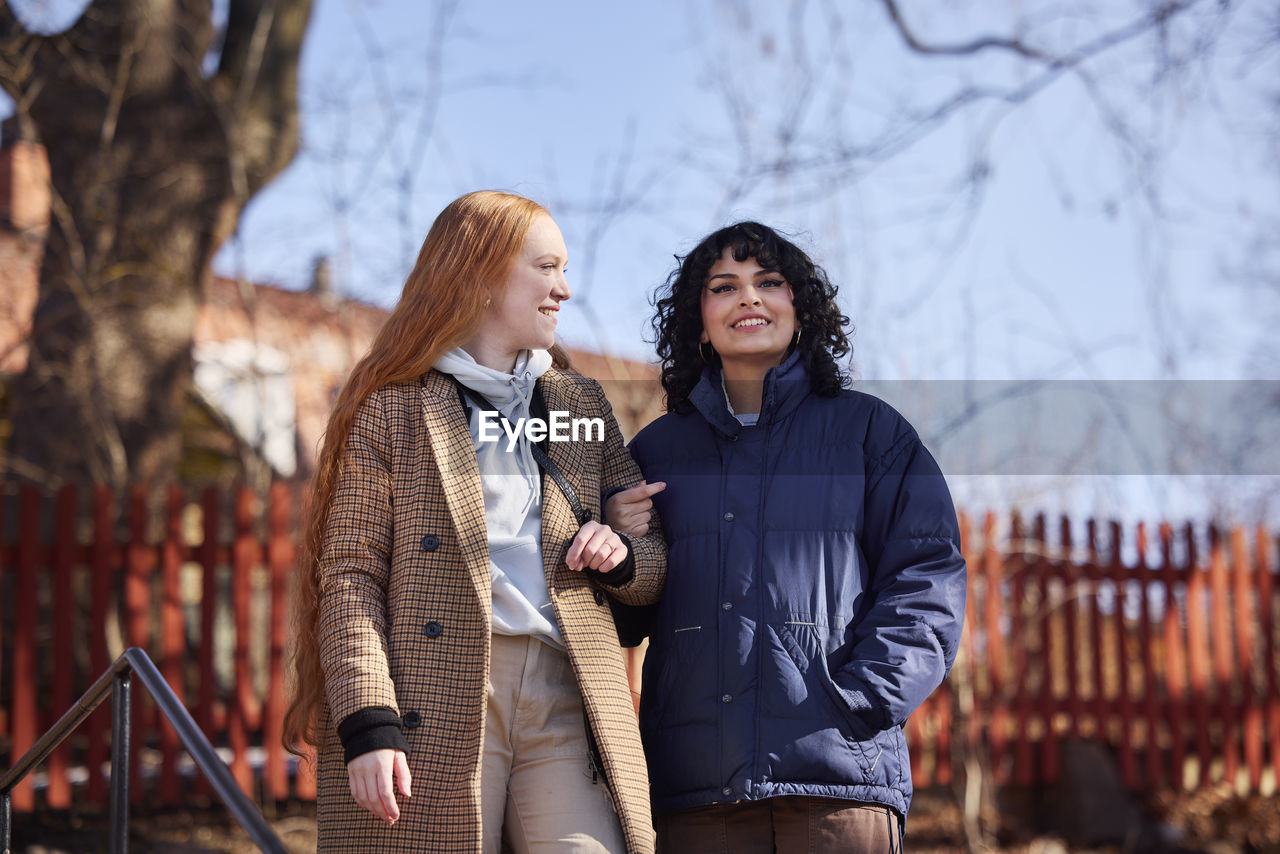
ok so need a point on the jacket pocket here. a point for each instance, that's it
(811, 692)
(673, 654)
(861, 728)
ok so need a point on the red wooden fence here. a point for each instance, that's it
(203, 590)
(1160, 643)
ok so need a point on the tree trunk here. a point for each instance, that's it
(152, 162)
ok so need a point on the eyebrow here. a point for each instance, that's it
(763, 271)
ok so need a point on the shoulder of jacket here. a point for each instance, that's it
(395, 395)
(665, 427)
(575, 386)
(568, 377)
(879, 428)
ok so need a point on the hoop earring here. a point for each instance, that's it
(796, 343)
(705, 360)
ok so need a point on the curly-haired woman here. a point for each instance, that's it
(815, 588)
(455, 636)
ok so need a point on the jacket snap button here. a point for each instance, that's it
(726, 791)
(726, 606)
(599, 597)
(412, 720)
(726, 698)
(728, 517)
(429, 543)
(433, 629)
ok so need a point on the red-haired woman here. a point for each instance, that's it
(455, 641)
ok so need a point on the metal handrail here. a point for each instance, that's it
(117, 681)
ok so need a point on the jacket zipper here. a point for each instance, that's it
(760, 609)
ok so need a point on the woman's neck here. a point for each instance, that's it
(496, 357)
(744, 384)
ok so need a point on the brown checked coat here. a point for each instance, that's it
(405, 611)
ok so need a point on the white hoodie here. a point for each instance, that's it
(512, 488)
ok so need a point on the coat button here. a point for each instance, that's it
(726, 698)
(726, 791)
(599, 597)
(433, 629)
(412, 720)
(429, 543)
(726, 606)
(728, 517)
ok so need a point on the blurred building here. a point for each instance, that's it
(268, 361)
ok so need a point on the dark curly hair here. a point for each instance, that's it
(677, 324)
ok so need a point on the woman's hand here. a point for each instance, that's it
(596, 547)
(370, 776)
(628, 511)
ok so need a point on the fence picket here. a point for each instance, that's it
(279, 560)
(1049, 615)
(5, 629)
(1175, 679)
(210, 523)
(25, 676)
(102, 554)
(64, 621)
(1022, 772)
(1242, 620)
(993, 570)
(173, 639)
(239, 712)
(1118, 575)
(917, 745)
(1075, 662)
(137, 605)
(1223, 659)
(1094, 622)
(968, 705)
(1151, 714)
(1267, 606)
(1198, 658)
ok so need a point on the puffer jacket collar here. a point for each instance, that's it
(785, 386)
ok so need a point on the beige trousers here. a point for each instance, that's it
(537, 788)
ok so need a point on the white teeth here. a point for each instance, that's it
(750, 321)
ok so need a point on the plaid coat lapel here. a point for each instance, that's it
(455, 460)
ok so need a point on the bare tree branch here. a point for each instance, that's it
(257, 83)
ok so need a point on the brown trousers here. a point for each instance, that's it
(786, 825)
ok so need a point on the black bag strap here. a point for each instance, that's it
(537, 408)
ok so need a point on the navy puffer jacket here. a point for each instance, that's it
(815, 595)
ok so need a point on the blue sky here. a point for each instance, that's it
(1061, 270)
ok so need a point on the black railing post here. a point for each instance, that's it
(6, 812)
(121, 730)
(117, 681)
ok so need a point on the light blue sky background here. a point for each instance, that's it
(1110, 239)
(1060, 268)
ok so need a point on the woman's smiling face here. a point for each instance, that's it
(747, 311)
(522, 315)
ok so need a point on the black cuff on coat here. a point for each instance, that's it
(620, 574)
(604, 499)
(373, 728)
(634, 622)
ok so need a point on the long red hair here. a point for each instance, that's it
(464, 261)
